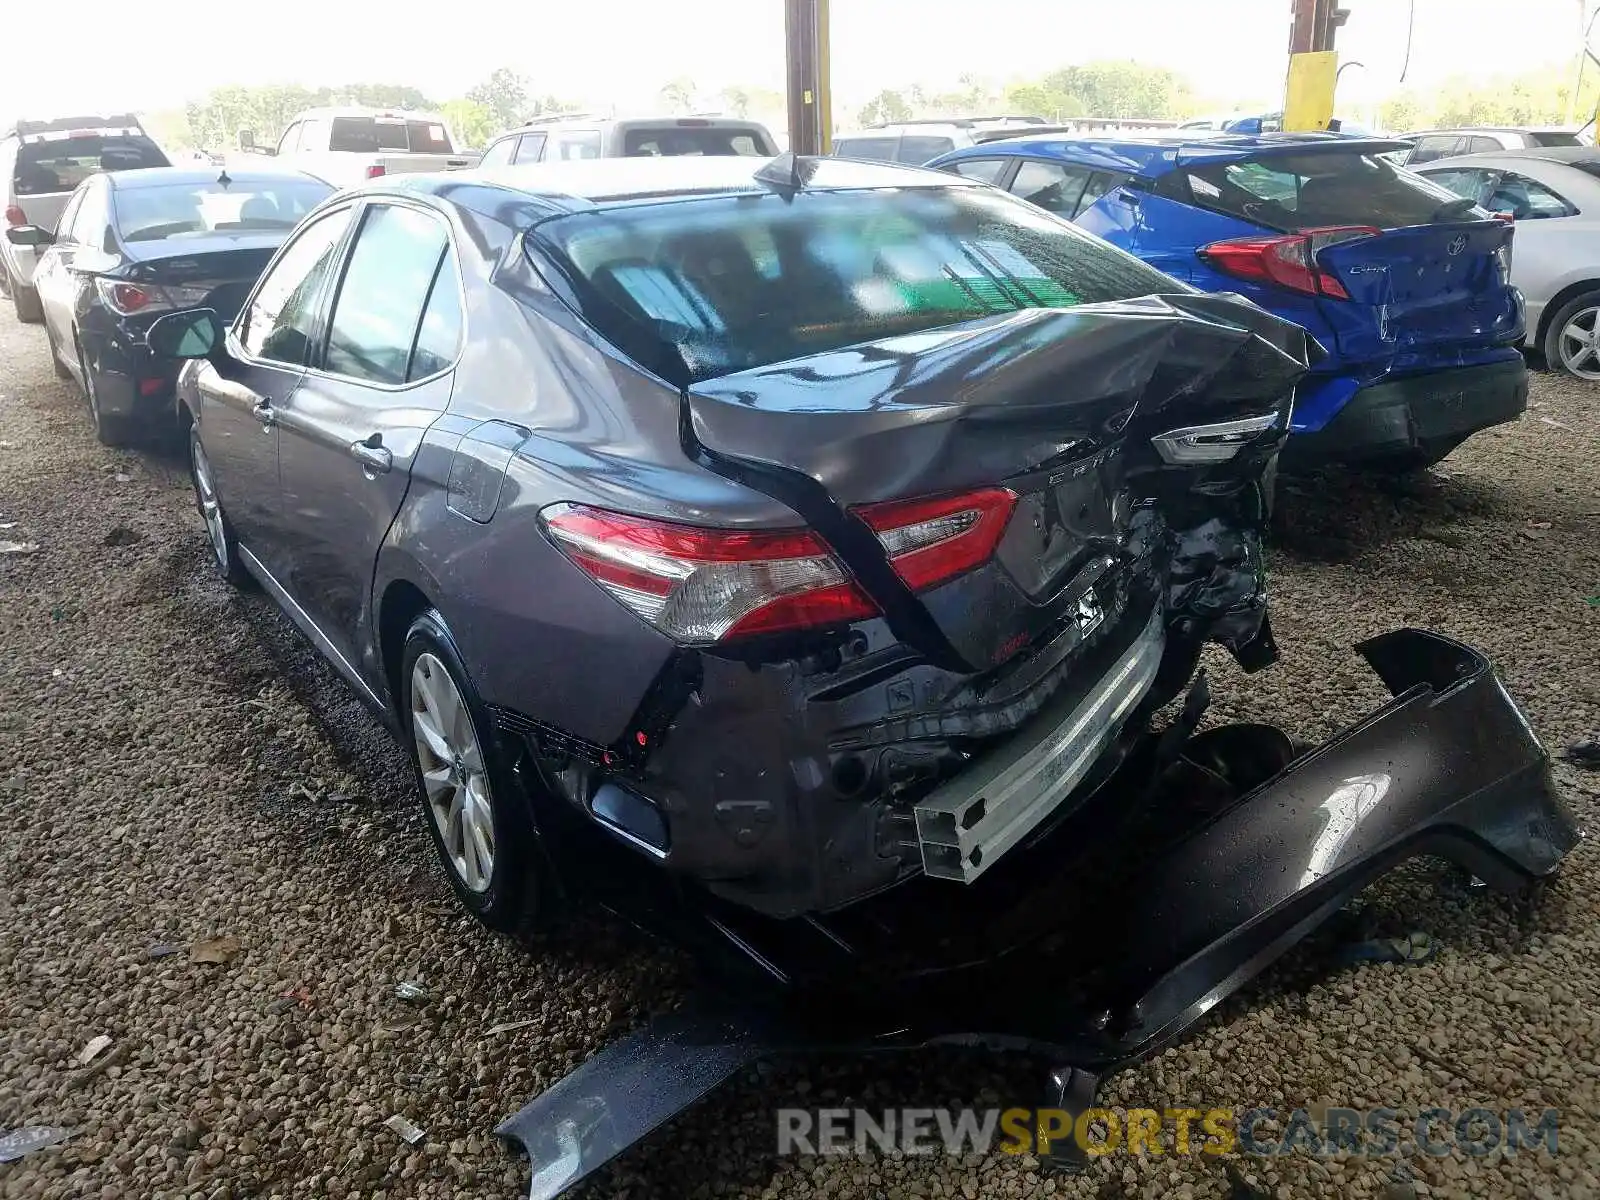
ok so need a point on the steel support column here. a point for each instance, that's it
(810, 91)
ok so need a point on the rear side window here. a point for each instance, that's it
(1526, 200)
(530, 148)
(499, 154)
(376, 315)
(1482, 145)
(692, 141)
(877, 149)
(986, 169)
(1554, 138)
(1054, 187)
(700, 288)
(1291, 192)
(61, 164)
(916, 150)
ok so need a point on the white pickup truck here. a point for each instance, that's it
(348, 145)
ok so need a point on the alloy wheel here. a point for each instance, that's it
(453, 775)
(1579, 344)
(210, 507)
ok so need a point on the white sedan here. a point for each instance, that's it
(1553, 195)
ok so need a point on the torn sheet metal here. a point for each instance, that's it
(1234, 854)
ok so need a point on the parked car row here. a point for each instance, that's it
(794, 554)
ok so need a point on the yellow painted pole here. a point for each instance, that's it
(1308, 96)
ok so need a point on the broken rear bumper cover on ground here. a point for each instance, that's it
(1220, 874)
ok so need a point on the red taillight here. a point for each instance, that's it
(700, 586)
(15, 216)
(129, 298)
(932, 540)
(1288, 260)
(376, 171)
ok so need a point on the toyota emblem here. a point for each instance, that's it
(1457, 244)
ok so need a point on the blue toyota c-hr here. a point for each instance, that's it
(1405, 284)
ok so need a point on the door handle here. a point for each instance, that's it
(264, 413)
(372, 454)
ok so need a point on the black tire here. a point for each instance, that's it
(509, 898)
(219, 530)
(25, 301)
(109, 429)
(1551, 344)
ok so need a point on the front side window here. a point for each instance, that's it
(281, 320)
(1054, 187)
(175, 210)
(290, 141)
(499, 154)
(699, 288)
(392, 268)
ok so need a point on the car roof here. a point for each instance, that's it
(1152, 156)
(1569, 155)
(581, 184)
(141, 177)
(909, 129)
(364, 110)
(1493, 129)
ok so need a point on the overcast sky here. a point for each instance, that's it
(160, 53)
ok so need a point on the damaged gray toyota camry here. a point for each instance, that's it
(811, 562)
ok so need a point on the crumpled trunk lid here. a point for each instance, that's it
(1058, 405)
(1422, 289)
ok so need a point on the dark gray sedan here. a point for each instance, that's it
(774, 535)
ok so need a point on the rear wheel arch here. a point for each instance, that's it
(401, 604)
(1559, 301)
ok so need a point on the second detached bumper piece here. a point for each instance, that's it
(1193, 871)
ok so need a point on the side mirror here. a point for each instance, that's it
(247, 141)
(192, 334)
(29, 235)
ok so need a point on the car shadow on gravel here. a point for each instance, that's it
(1338, 514)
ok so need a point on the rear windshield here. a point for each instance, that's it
(61, 164)
(1554, 138)
(673, 140)
(694, 289)
(372, 135)
(1303, 191)
(878, 149)
(175, 210)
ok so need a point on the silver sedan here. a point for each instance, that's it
(1553, 195)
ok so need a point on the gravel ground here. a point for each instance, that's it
(176, 766)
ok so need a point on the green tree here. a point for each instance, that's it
(885, 108)
(471, 122)
(736, 100)
(678, 95)
(505, 95)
